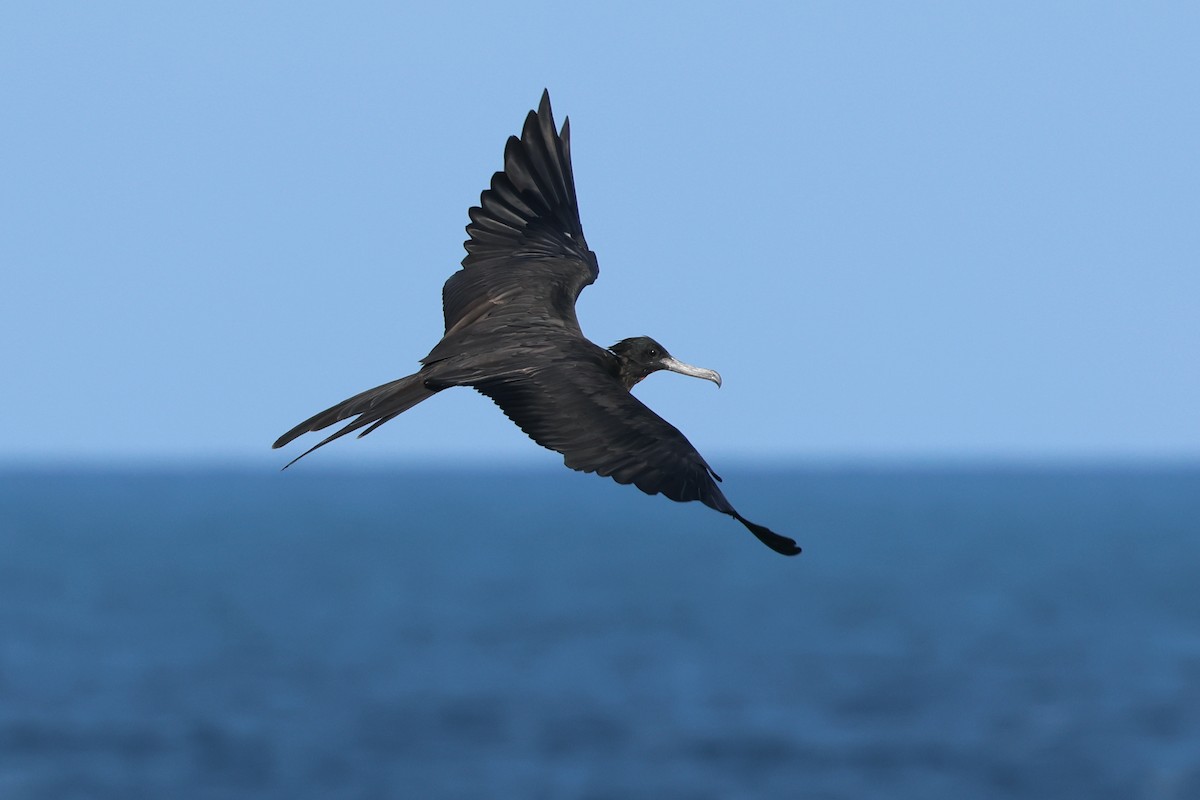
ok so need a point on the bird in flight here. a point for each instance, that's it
(512, 334)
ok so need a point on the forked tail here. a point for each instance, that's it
(372, 407)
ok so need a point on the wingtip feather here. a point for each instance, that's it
(780, 544)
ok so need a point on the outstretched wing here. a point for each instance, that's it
(526, 253)
(573, 405)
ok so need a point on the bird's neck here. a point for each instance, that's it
(629, 373)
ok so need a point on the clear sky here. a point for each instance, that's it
(897, 230)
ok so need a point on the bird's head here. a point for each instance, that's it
(641, 356)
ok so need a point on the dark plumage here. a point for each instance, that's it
(512, 334)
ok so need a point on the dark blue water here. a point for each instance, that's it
(947, 633)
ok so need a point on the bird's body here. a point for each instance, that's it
(512, 334)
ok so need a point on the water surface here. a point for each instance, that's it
(948, 632)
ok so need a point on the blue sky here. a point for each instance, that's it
(919, 231)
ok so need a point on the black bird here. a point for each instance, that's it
(512, 334)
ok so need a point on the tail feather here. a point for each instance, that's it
(372, 407)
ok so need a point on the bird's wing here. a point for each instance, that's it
(577, 408)
(526, 253)
(600, 427)
(574, 406)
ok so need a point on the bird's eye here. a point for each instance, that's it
(652, 352)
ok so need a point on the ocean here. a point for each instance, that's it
(956, 631)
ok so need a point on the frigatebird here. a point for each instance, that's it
(512, 334)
